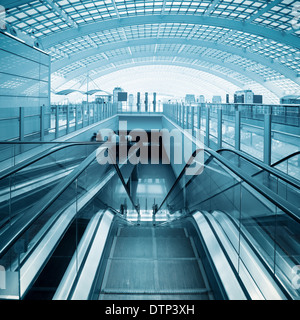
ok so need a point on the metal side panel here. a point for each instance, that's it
(37, 259)
(251, 270)
(51, 235)
(226, 274)
(89, 270)
(228, 236)
(68, 280)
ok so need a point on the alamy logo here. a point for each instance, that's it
(133, 146)
(2, 18)
(2, 278)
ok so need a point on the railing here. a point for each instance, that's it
(47, 123)
(267, 132)
(71, 117)
(143, 109)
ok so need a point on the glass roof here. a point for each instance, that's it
(237, 41)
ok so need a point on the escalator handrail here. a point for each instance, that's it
(40, 156)
(294, 182)
(12, 234)
(285, 158)
(279, 202)
(122, 180)
(189, 162)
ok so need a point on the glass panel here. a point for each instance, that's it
(213, 126)
(80, 116)
(62, 120)
(31, 183)
(283, 144)
(228, 125)
(252, 130)
(9, 123)
(7, 155)
(9, 273)
(72, 118)
(284, 189)
(287, 259)
(258, 218)
(293, 166)
(84, 115)
(285, 131)
(5, 201)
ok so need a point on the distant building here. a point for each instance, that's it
(247, 96)
(216, 99)
(116, 101)
(130, 100)
(201, 99)
(103, 98)
(115, 94)
(290, 99)
(190, 98)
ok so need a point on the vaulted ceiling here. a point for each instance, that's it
(242, 42)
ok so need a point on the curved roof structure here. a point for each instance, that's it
(229, 44)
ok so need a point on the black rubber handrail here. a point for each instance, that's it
(279, 202)
(294, 182)
(189, 162)
(123, 181)
(285, 158)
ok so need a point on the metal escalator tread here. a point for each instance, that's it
(154, 263)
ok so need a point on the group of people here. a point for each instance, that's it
(112, 137)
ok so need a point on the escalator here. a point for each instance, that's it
(102, 233)
(141, 261)
(194, 254)
(23, 184)
(56, 221)
(250, 216)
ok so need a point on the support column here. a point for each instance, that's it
(76, 117)
(138, 102)
(68, 119)
(21, 124)
(267, 138)
(207, 126)
(42, 123)
(180, 115)
(219, 128)
(237, 129)
(192, 121)
(154, 101)
(56, 122)
(88, 114)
